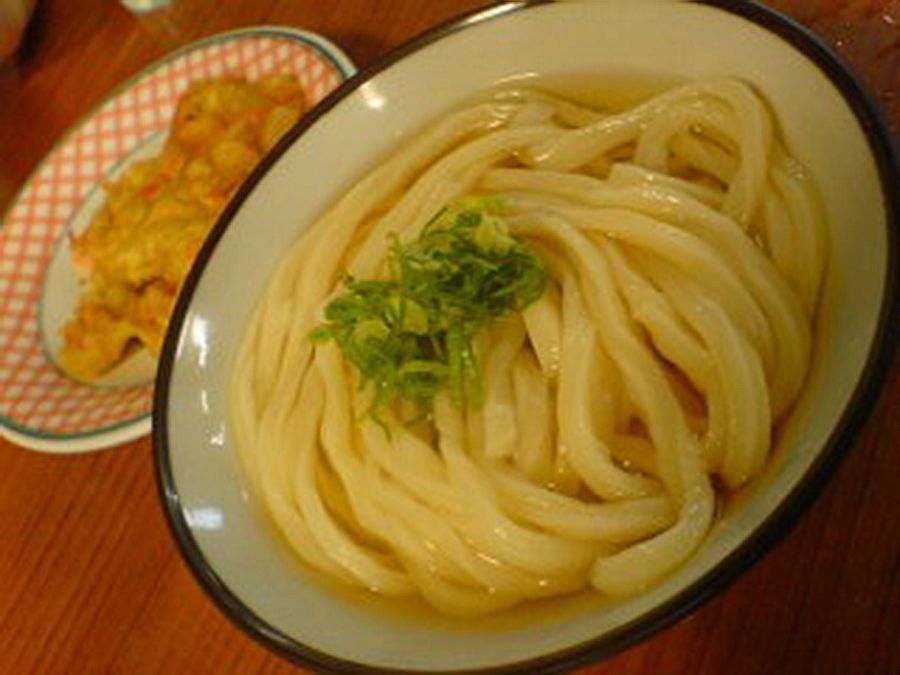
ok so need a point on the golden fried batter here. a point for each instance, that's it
(140, 245)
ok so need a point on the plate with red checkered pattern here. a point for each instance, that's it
(40, 407)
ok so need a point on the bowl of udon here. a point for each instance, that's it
(531, 338)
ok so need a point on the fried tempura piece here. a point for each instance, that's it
(140, 245)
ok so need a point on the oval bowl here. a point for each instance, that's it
(828, 121)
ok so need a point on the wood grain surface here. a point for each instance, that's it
(90, 579)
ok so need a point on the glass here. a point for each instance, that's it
(14, 15)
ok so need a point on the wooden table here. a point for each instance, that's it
(90, 579)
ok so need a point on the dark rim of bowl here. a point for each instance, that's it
(773, 529)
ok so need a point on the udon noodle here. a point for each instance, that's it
(685, 249)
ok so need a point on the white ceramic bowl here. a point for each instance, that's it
(828, 122)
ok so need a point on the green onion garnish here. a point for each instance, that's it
(412, 335)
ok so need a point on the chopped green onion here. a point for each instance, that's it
(412, 335)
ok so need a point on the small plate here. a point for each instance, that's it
(40, 407)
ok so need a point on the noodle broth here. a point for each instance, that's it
(610, 90)
(673, 332)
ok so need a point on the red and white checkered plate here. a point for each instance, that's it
(41, 408)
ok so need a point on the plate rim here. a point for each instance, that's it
(99, 438)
